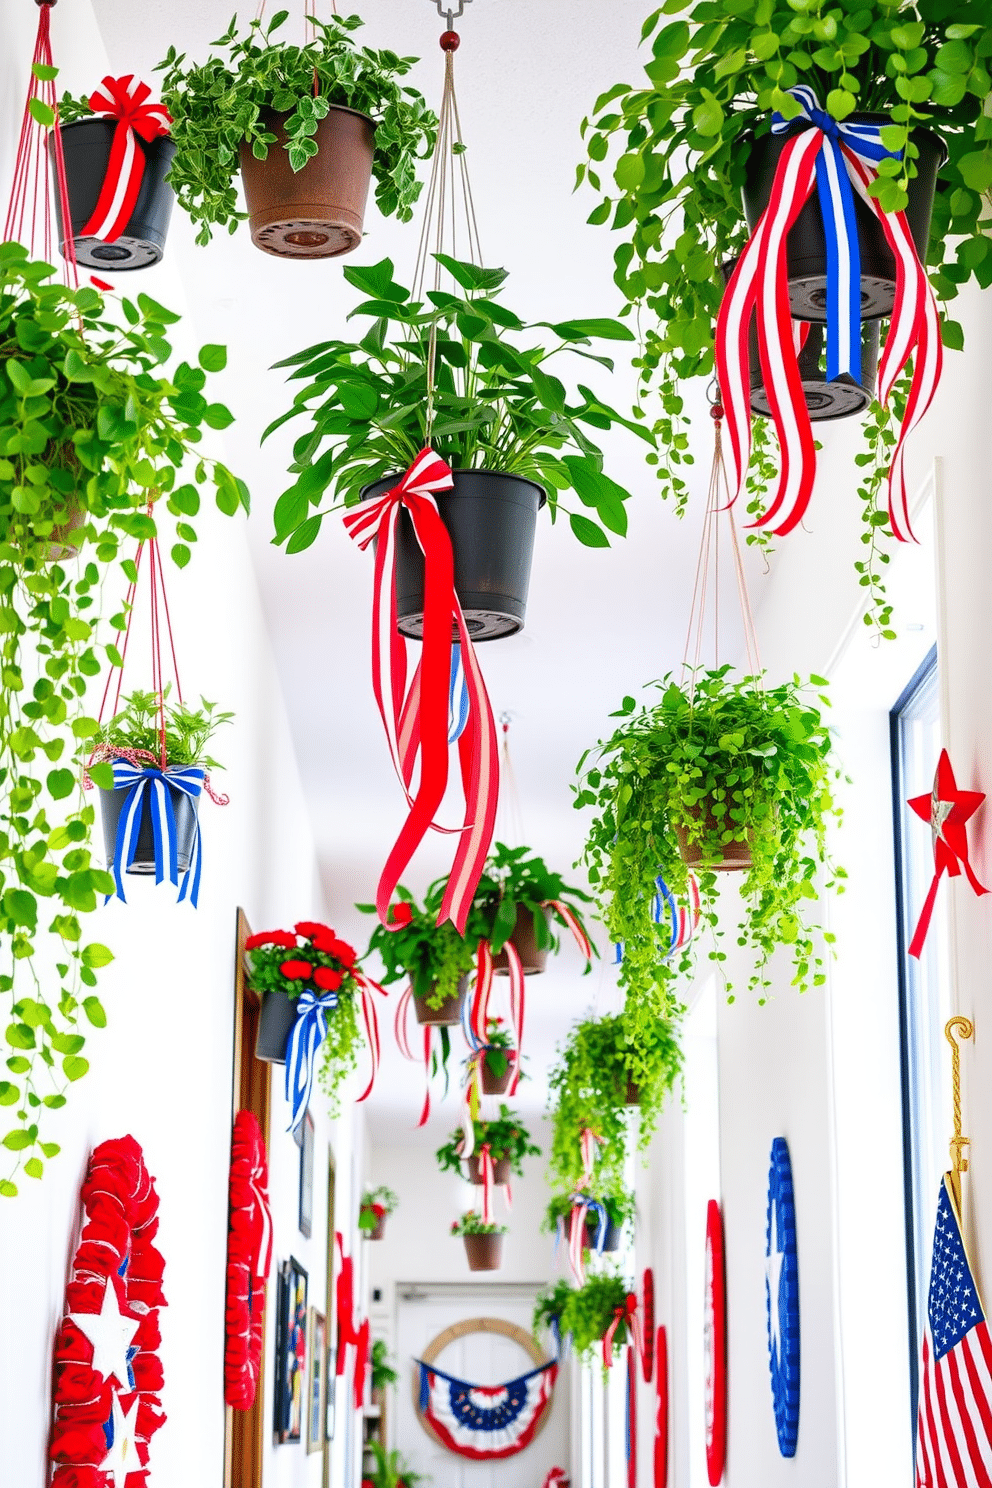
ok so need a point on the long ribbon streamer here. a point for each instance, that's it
(124, 99)
(306, 1036)
(683, 922)
(153, 787)
(407, 1051)
(370, 1018)
(488, 1182)
(626, 1314)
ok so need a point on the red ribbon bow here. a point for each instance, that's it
(947, 809)
(625, 1314)
(416, 717)
(123, 100)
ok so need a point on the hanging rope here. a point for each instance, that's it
(509, 815)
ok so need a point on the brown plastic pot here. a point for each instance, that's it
(632, 1096)
(736, 854)
(449, 1014)
(484, 1252)
(501, 1170)
(317, 212)
(532, 958)
(378, 1230)
(498, 1084)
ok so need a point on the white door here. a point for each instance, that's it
(482, 1359)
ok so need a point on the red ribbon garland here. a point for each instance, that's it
(249, 1257)
(416, 718)
(124, 100)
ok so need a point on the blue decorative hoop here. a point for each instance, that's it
(782, 1311)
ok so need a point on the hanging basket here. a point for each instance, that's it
(498, 1084)
(807, 247)
(532, 958)
(736, 855)
(186, 809)
(378, 1230)
(449, 1014)
(611, 1239)
(86, 146)
(501, 1172)
(275, 1024)
(317, 212)
(632, 1095)
(491, 520)
(484, 1252)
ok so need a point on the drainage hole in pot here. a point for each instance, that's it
(816, 399)
(307, 239)
(110, 252)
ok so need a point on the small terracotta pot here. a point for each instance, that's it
(522, 936)
(632, 1095)
(316, 212)
(736, 854)
(379, 1229)
(498, 1084)
(501, 1170)
(484, 1252)
(449, 1014)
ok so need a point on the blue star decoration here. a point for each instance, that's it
(782, 1297)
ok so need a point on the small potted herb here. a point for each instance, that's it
(383, 1373)
(308, 126)
(390, 1470)
(512, 433)
(508, 1141)
(283, 964)
(590, 1310)
(159, 739)
(517, 898)
(726, 773)
(497, 1058)
(376, 1205)
(483, 1242)
(434, 958)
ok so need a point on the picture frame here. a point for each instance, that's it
(316, 1381)
(291, 1352)
(306, 1131)
(331, 1392)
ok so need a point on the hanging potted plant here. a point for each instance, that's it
(497, 1059)
(514, 437)
(91, 425)
(508, 1142)
(589, 1312)
(390, 1470)
(483, 1242)
(377, 1204)
(550, 1306)
(308, 126)
(433, 958)
(517, 899)
(723, 774)
(117, 151)
(605, 1218)
(383, 1373)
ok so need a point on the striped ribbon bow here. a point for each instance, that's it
(416, 718)
(488, 1182)
(841, 159)
(306, 1037)
(155, 786)
(626, 1314)
(123, 99)
(582, 1206)
(683, 922)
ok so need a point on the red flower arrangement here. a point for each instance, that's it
(116, 1267)
(249, 1257)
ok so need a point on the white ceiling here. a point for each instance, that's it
(599, 623)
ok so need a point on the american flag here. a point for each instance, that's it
(954, 1434)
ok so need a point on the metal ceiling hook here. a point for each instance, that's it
(447, 13)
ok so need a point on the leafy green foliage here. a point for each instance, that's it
(383, 1373)
(516, 879)
(588, 1311)
(725, 760)
(433, 957)
(371, 1196)
(550, 1304)
(619, 1206)
(226, 101)
(92, 433)
(589, 1087)
(187, 730)
(506, 1135)
(471, 1223)
(498, 407)
(390, 1467)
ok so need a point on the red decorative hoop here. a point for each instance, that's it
(647, 1324)
(249, 1257)
(120, 1209)
(661, 1427)
(716, 1346)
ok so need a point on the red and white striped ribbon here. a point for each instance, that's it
(576, 1241)
(588, 1141)
(479, 1006)
(406, 1049)
(124, 100)
(628, 1315)
(571, 919)
(487, 1175)
(371, 1020)
(416, 719)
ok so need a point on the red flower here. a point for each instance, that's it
(400, 913)
(325, 977)
(310, 928)
(271, 937)
(329, 943)
(297, 971)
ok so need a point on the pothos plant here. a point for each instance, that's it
(506, 1136)
(433, 957)
(668, 161)
(93, 437)
(499, 404)
(724, 759)
(218, 105)
(516, 879)
(589, 1085)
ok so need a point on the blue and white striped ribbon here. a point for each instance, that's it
(458, 704)
(663, 899)
(306, 1037)
(156, 786)
(839, 224)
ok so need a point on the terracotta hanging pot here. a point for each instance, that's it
(316, 212)
(276, 1022)
(806, 245)
(491, 519)
(632, 1094)
(498, 1084)
(86, 148)
(532, 957)
(449, 1014)
(484, 1252)
(378, 1230)
(186, 809)
(501, 1170)
(736, 854)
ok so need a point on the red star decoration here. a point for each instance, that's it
(947, 809)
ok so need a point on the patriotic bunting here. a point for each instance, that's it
(485, 1422)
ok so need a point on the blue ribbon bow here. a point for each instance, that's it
(840, 226)
(306, 1037)
(663, 898)
(154, 786)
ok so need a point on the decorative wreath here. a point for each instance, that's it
(107, 1374)
(249, 1257)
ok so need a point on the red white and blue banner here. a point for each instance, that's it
(485, 1422)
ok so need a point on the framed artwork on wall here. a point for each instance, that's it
(291, 1352)
(316, 1381)
(306, 1175)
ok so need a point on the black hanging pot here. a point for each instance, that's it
(86, 147)
(185, 809)
(806, 247)
(825, 400)
(611, 1238)
(275, 1023)
(491, 520)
